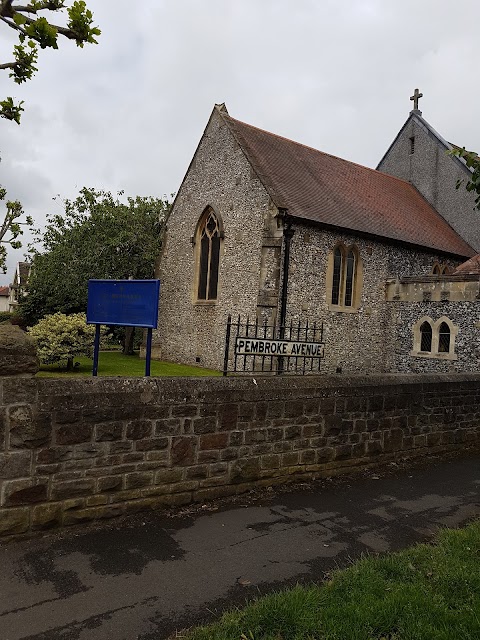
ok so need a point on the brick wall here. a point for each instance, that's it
(78, 450)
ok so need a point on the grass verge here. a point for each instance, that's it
(114, 363)
(428, 592)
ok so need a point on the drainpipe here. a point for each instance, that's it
(287, 239)
(288, 232)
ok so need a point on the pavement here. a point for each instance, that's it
(147, 576)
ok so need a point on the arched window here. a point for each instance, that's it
(434, 339)
(337, 275)
(209, 256)
(426, 337)
(444, 338)
(440, 269)
(349, 278)
(345, 282)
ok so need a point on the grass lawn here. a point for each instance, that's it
(114, 363)
(428, 592)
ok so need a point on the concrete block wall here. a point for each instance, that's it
(72, 451)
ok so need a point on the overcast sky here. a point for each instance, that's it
(128, 113)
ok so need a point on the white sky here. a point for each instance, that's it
(129, 112)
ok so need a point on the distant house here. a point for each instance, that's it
(19, 284)
(4, 298)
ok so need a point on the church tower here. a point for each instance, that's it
(420, 155)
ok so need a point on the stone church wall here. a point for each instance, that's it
(72, 451)
(356, 341)
(435, 175)
(464, 315)
(220, 177)
(360, 340)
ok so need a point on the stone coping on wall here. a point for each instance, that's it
(257, 383)
(74, 450)
(450, 277)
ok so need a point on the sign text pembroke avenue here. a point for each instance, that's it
(269, 347)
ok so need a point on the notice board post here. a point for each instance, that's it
(126, 303)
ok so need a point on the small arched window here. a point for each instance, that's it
(344, 267)
(426, 337)
(434, 339)
(209, 257)
(440, 269)
(444, 338)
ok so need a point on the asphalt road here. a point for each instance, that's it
(145, 577)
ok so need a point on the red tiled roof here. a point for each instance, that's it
(471, 266)
(322, 188)
(4, 291)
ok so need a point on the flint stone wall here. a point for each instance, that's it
(361, 341)
(72, 451)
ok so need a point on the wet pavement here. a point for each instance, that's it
(147, 576)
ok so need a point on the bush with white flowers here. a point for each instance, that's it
(59, 338)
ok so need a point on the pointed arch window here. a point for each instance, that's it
(345, 278)
(337, 274)
(209, 236)
(444, 338)
(426, 337)
(434, 339)
(440, 269)
(349, 278)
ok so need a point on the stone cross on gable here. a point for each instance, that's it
(416, 97)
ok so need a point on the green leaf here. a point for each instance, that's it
(11, 111)
(19, 19)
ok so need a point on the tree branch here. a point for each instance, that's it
(4, 227)
(14, 26)
(67, 33)
(27, 9)
(8, 65)
(6, 8)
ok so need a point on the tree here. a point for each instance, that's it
(97, 236)
(34, 31)
(59, 338)
(472, 161)
(11, 227)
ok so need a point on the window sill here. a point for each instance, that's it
(433, 356)
(205, 303)
(339, 309)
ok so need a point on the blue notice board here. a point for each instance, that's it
(130, 303)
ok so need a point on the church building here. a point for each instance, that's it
(274, 230)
